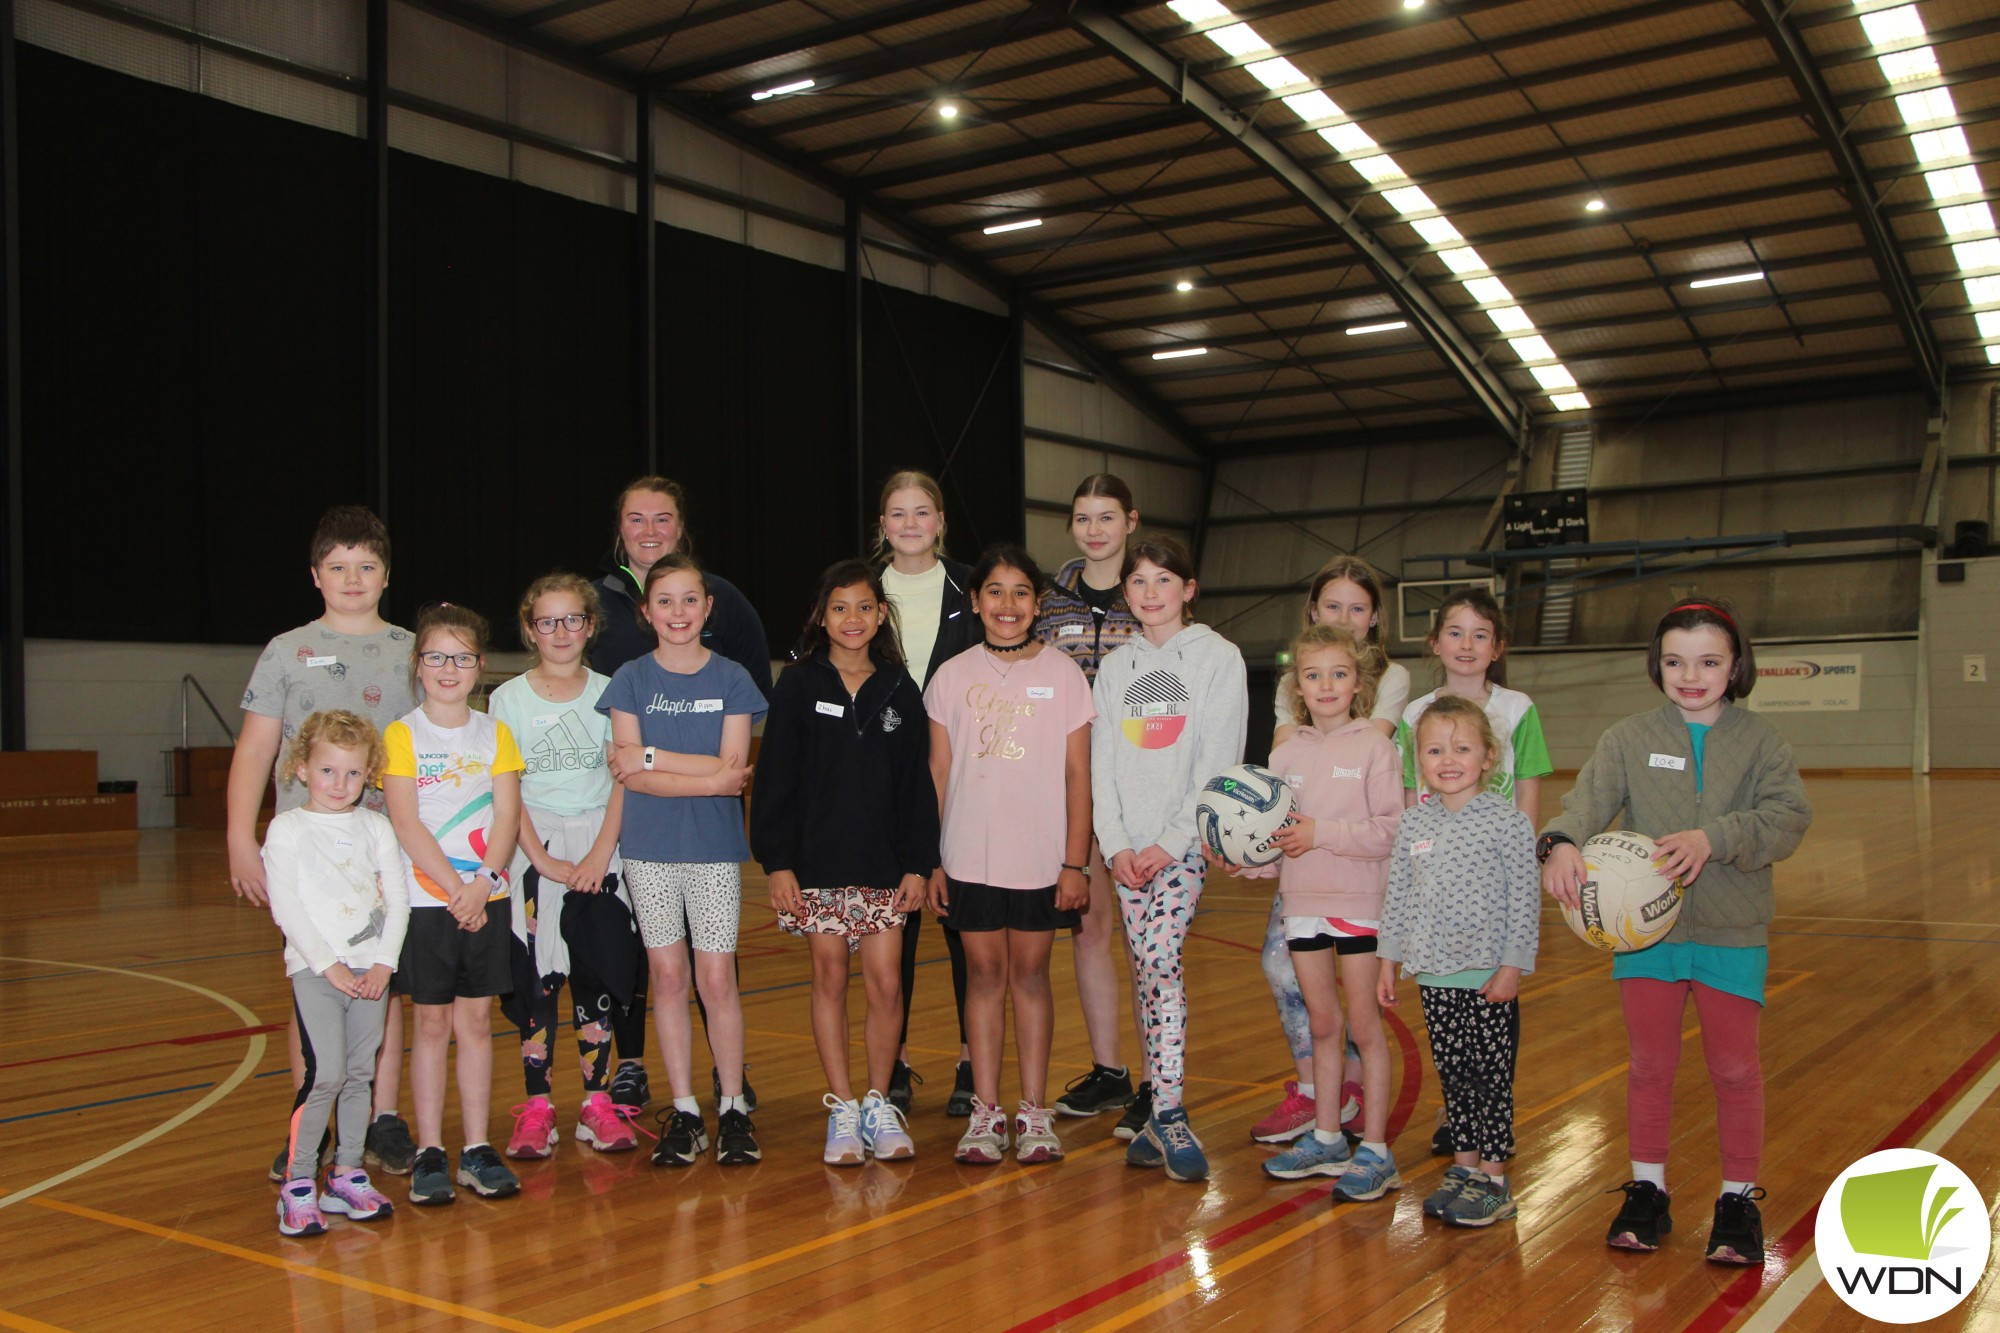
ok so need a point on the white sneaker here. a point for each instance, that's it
(843, 1133)
(884, 1130)
(1035, 1135)
(985, 1140)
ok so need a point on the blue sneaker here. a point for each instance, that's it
(1182, 1150)
(1368, 1176)
(1145, 1150)
(1309, 1157)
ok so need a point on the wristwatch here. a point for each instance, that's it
(493, 877)
(1548, 842)
(647, 759)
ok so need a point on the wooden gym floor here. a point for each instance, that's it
(145, 1090)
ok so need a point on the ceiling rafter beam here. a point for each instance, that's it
(1876, 232)
(971, 116)
(1167, 118)
(1506, 412)
(986, 76)
(652, 32)
(785, 44)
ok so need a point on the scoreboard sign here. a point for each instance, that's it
(1547, 518)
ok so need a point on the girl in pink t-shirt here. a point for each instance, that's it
(1010, 752)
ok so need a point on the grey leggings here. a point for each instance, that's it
(340, 1037)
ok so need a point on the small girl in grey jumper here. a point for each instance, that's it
(1463, 915)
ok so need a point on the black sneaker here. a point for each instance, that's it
(749, 1093)
(736, 1140)
(1441, 1145)
(388, 1146)
(901, 1094)
(1643, 1218)
(430, 1178)
(1102, 1089)
(1738, 1234)
(1136, 1115)
(481, 1170)
(629, 1086)
(960, 1105)
(281, 1165)
(683, 1138)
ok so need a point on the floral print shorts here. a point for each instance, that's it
(850, 913)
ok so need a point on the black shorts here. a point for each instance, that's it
(978, 908)
(1344, 945)
(442, 962)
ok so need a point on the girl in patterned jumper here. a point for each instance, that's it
(1171, 710)
(1463, 916)
(1348, 795)
(1717, 788)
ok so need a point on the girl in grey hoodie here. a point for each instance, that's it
(1171, 714)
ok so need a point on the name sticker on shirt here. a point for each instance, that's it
(1041, 691)
(1295, 779)
(1422, 846)
(545, 720)
(1069, 631)
(830, 709)
(1157, 708)
(708, 705)
(1673, 761)
(343, 842)
(321, 661)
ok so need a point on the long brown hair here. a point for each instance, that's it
(1362, 575)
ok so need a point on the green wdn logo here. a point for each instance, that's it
(1886, 1215)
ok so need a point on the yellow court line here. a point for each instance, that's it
(1320, 1219)
(932, 1050)
(296, 1269)
(847, 1233)
(8, 1319)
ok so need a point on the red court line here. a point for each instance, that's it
(1733, 1298)
(194, 1039)
(1406, 1101)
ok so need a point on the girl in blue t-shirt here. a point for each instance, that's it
(680, 736)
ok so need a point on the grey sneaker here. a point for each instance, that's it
(481, 1170)
(430, 1179)
(1481, 1203)
(1309, 1157)
(1454, 1180)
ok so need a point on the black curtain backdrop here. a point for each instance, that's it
(193, 314)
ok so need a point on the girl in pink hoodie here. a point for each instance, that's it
(1345, 779)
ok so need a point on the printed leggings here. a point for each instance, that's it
(1653, 1015)
(1157, 919)
(1473, 1044)
(534, 1004)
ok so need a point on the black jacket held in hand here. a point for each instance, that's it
(958, 627)
(844, 794)
(734, 628)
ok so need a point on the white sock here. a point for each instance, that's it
(733, 1104)
(1738, 1186)
(1498, 1178)
(688, 1104)
(1652, 1173)
(1326, 1136)
(1306, 1091)
(1381, 1150)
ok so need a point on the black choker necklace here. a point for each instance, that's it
(993, 647)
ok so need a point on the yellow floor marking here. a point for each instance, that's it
(1208, 1279)
(8, 1319)
(314, 1272)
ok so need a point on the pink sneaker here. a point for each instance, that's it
(605, 1126)
(298, 1210)
(1293, 1117)
(534, 1129)
(352, 1194)
(1350, 1104)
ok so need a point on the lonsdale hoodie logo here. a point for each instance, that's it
(1903, 1236)
(1155, 710)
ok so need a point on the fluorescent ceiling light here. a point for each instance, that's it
(1489, 291)
(1511, 319)
(1465, 259)
(1183, 286)
(1413, 4)
(1276, 74)
(1989, 323)
(1239, 39)
(1569, 402)
(1178, 352)
(1965, 219)
(1907, 66)
(1438, 231)
(1593, 206)
(1347, 138)
(1378, 169)
(1937, 145)
(1022, 225)
(948, 109)
(1982, 291)
(1931, 104)
(1388, 327)
(1198, 11)
(1314, 105)
(1993, 355)
(1888, 27)
(797, 87)
(1955, 183)
(1409, 199)
(1727, 279)
(1552, 378)
(1532, 349)
(1977, 254)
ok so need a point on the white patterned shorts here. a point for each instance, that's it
(675, 900)
(849, 912)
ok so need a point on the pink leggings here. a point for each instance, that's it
(1653, 1011)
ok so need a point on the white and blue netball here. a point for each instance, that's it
(1240, 811)
(1625, 904)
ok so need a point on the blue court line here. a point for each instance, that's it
(110, 1101)
(139, 964)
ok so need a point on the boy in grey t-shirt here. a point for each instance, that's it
(349, 658)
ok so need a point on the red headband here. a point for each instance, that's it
(1710, 608)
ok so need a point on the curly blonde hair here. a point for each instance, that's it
(342, 729)
(1368, 661)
